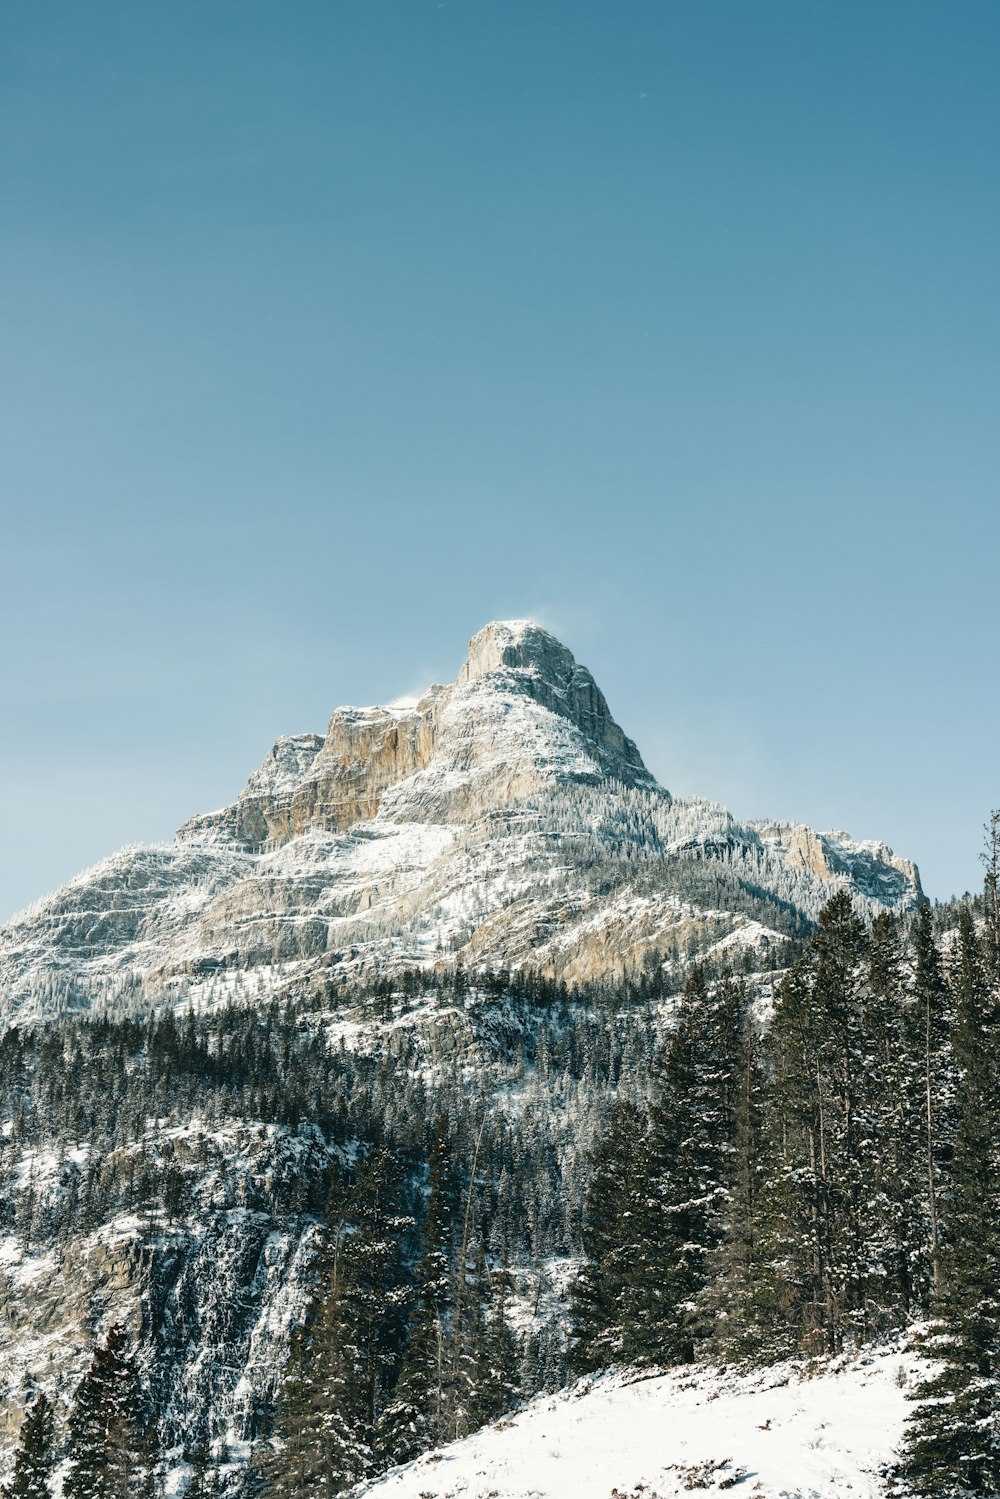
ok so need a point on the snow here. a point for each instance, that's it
(795, 1431)
(522, 840)
(22, 1270)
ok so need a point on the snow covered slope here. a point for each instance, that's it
(503, 821)
(789, 1432)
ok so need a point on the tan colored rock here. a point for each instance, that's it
(497, 820)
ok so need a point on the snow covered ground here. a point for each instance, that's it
(794, 1431)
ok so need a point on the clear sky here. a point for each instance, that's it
(334, 328)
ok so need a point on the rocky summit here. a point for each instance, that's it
(505, 821)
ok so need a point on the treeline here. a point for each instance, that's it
(479, 1097)
(808, 1184)
(102, 1119)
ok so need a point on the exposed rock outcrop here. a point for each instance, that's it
(503, 820)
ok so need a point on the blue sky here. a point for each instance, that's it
(333, 330)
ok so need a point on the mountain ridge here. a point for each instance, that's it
(505, 820)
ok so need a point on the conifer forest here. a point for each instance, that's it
(514, 1183)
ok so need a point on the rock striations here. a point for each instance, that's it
(505, 820)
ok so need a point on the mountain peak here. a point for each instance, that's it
(517, 644)
(503, 820)
(520, 654)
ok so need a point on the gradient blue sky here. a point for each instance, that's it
(333, 329)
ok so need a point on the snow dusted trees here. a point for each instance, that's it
(857, 1066)
(834, 1181)
(733, 1304)
(786, 1194)
(656, 1210)
(390, 1359)
(105, 1425)
(344, 1355)
(419, 1415)
(35, 1453)
(460, 1360)
(928, 1044)
(687, 1167)
(827, 1110)
(602, 1293)
(954, 1443)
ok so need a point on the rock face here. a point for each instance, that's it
(539, 665)
(221, 1288)
(505, 820)
(463, 736)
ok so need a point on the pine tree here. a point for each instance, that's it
(496, 1352)
(34, 1458)
(280, 1468)
(150, 1485)
(953, 1446)
(825, 1247)
(613, 1214)
(736, 1299)
(342, 1359)
(840, 948)
(991, 894)
(418, 1416)
(692, 1125)
(928, 1046)
(200, 1485)
(794, 1238)
(104, 1425)
(893, 1226)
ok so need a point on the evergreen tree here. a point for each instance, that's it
(687, 1163)
(825, 1250)
(991, 896)
(202, 1483)
(894, 1268)
(419, 1415)
(613, 1214)
(496, 1353)
(379, 1293)
(342, 1359)
(736, 1300)
(929, 1050)
(840, 948)
(104, 1425)
(278, 1468)
(953, 1446)
(150, 1484)
(34, 1458)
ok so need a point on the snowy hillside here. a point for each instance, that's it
(793, 1431)
(505, 821)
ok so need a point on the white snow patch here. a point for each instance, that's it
(797, 1431)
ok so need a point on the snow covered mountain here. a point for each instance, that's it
(503, 821)
(171, 1176)
(795, 1430)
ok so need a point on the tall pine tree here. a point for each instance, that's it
(930, 1052)
(686, 1165)
(343, 1357)
(419, 1415)
(736, 1298)
(613, 1213)
(105, 1425)
(34, 1458)
(953, 1445)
